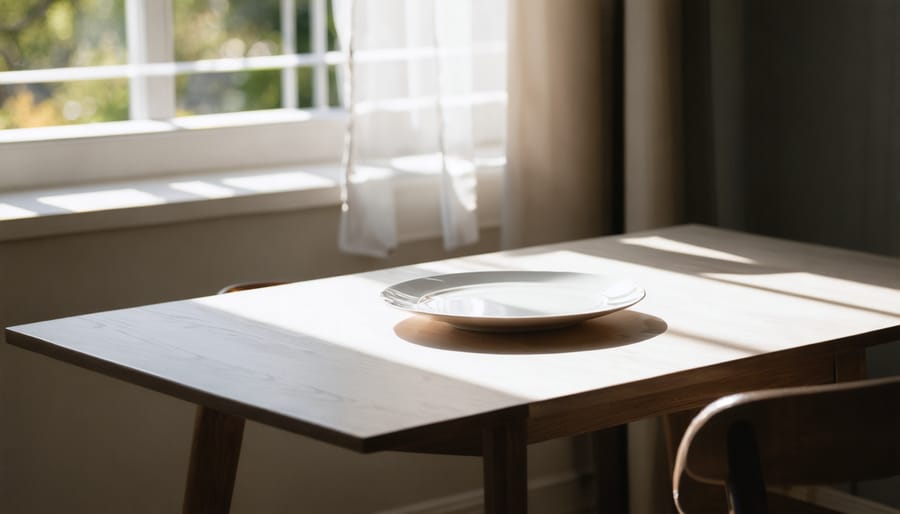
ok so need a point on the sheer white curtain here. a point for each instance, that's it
(410, 85)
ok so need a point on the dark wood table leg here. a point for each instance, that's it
(214, 460)
(609, 449)
(505, 469)
(848, 366)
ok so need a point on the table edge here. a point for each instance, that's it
(391, 440)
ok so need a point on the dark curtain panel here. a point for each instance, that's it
(700, 204)
(792, 128)
(792, 119)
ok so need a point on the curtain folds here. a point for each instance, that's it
(595, 117)
(559, 179)
(411, 82)
(653, 118)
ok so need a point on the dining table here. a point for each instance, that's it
(724, 311)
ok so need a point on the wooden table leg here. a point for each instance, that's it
(848, 366)
(214, 460)
(609, 452)
(505, 469)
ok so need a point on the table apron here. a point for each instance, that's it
(592, 411)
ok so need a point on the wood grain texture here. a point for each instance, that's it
(260, 372)
(215, 452)
(327, 358)
(614, 406)
(806, 435)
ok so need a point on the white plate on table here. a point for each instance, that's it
(514, 300)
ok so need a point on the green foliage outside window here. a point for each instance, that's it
(37, 34)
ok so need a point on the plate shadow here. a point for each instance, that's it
(616, 329)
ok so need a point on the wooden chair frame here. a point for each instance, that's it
(827, 434)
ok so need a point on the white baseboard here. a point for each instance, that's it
(565, 493)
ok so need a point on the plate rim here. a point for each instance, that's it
(639, 294)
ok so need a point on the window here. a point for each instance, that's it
(127, 80)
(99, 90)
(110, 60)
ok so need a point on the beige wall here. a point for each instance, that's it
(76, 442)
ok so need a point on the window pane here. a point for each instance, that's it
(58, 33)
(332, 33)
(209, 93)
(334, 98)
(304, 27)
(39, 34)
(304, 88)
(65, 103)
(210, 29)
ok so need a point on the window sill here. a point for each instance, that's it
(161, 200)
(133, 150)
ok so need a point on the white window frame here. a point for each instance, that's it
(154, 141)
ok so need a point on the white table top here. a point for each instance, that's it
(328, 358)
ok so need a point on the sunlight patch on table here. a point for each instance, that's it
(556, 260)
(324, 311)
(819, 287)
(670, 245)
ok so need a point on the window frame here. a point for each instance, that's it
(140, 149)
(153, 142)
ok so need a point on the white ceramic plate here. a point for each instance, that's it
(513, 300)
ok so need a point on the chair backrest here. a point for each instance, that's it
(795, 436)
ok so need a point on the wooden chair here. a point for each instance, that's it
(762, 445)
